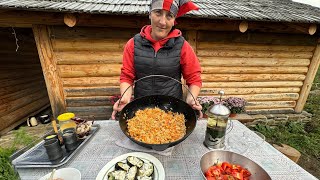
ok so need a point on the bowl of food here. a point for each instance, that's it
(63, 174)
(158, 121)
(227, 164)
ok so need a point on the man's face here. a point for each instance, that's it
(161, 23)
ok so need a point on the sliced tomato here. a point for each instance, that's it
(210, 178)
(225, 165)
(246, 173)
(228, 177)
(213, 171)
(237, 175)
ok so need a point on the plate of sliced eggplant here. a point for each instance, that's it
(132, 166)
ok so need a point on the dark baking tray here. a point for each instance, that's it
(36, 156)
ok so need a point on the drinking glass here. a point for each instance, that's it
(253, 139)
(236, 144)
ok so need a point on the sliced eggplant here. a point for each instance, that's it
(144, 178)
(111, 176)
(117, 175)
(147, 169)
(132, 173)
(134, 161)
(122, 166)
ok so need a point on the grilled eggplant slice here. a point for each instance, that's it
(132, 173)
(117, 175)
(134, 161)
(144, 178)
(122, 166)
(147, 169)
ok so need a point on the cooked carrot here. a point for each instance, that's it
(155, 126)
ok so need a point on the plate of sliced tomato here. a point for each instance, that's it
(227, 165)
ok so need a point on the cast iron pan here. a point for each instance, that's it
(166, 103)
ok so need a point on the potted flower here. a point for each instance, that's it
(236, 105)
(206, 102)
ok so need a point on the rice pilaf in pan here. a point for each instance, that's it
(155, 126)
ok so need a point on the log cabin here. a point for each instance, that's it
(68, 54)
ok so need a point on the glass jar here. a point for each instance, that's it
(65, 121)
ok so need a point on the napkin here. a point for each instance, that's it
(128, 144)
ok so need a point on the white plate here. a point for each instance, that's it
(64, 173)
(159, 173)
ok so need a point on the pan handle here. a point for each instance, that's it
(158, 75)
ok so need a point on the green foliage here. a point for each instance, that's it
(21, 138)
(294, 135)
(6, 169)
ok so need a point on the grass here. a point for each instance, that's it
(21, 138)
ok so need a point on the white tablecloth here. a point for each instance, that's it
(183, 164)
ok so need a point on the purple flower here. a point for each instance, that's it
(236, 104)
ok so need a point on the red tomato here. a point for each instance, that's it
(246, 173)
(237, 175)
(227, 171)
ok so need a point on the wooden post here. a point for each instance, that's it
(305, 90)
(191, 37)
(49, 67)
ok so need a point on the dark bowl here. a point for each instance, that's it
(212, 157)
(166, 103)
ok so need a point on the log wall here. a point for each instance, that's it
(88, 62)
(22, 89)
(267, 69)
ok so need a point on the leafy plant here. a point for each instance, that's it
(236, 104)
(21, 138)
(6, 169)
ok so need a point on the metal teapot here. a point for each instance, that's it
(218, 116)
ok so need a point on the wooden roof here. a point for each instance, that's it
(257, 10)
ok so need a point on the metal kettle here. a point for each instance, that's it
(218, 116)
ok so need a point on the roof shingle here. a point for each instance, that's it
(260, 10)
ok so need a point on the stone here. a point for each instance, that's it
(243, 118)
(281, 119)
(305, 113)
(259, 116)
(281, 116)
(269, 116)
(295, 117)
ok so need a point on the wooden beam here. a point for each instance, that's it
(20, 18)
(48, 63)
(243, 26)
(27, 18)
(305, 90)
(70, 19)
(312, 29)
